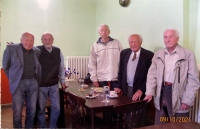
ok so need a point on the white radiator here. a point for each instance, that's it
(80, 64)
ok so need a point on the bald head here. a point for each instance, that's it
(27, 34)
(47, 40)
(27, 40)
(47, 33)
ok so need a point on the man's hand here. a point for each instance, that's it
(8, 43)
(184, 106)
(117, 90)
(137, 95)
(96, 84)
(64, 86)
(148, 98)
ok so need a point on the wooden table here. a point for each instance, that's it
(96, 105)
(174, 125)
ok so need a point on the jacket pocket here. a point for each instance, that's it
(181, 93)
(10, 78)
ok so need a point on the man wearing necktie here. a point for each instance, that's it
(134, 64)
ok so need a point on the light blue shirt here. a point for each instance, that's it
(131, 68)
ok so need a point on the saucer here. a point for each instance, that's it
(97, 89)
(85, 86)
(90, 97)
(113, 96)
(81, 89)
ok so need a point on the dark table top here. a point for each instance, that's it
(174, 125)
(97, 101)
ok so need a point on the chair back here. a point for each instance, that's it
(133, 114)
(78, 111)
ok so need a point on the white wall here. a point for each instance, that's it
(72, 23)
(148, 18)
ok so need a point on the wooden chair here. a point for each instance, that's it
(47, 112)
(48, 108)
(133, 114)
(78, 111)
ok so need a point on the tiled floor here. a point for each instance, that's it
(6, 117)
(7, 121)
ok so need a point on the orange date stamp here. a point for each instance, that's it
(174, 119)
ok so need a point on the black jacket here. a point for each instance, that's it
(141, 70)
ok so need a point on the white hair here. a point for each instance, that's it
(103, 25)
(45, 33)
(139, 36)
(172, 29)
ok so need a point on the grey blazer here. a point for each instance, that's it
(13, 64)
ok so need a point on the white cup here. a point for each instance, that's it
(113, 93)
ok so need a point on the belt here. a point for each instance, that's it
(109, 81)
(167, 83)
(129, 86)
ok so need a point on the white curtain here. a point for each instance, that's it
(193, 44)
(197, 52)
(197, 48)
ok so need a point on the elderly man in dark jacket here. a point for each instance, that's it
(134, 64)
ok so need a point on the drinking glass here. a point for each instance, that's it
(81, 81)
(106, 92)
(101, 93)
(91, 94)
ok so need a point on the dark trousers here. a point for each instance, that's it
(129, 91)
(165, 114)
(112, 84)
(107, 116)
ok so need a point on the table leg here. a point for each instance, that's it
(92, 118)
(61, 118)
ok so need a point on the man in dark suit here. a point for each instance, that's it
(21, 65)
(134, 64)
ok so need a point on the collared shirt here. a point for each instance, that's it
(131, 67)
(170, 61)
(29, 63)
(99, 40)
(137, 54)
(24, 50)
(49, 50)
